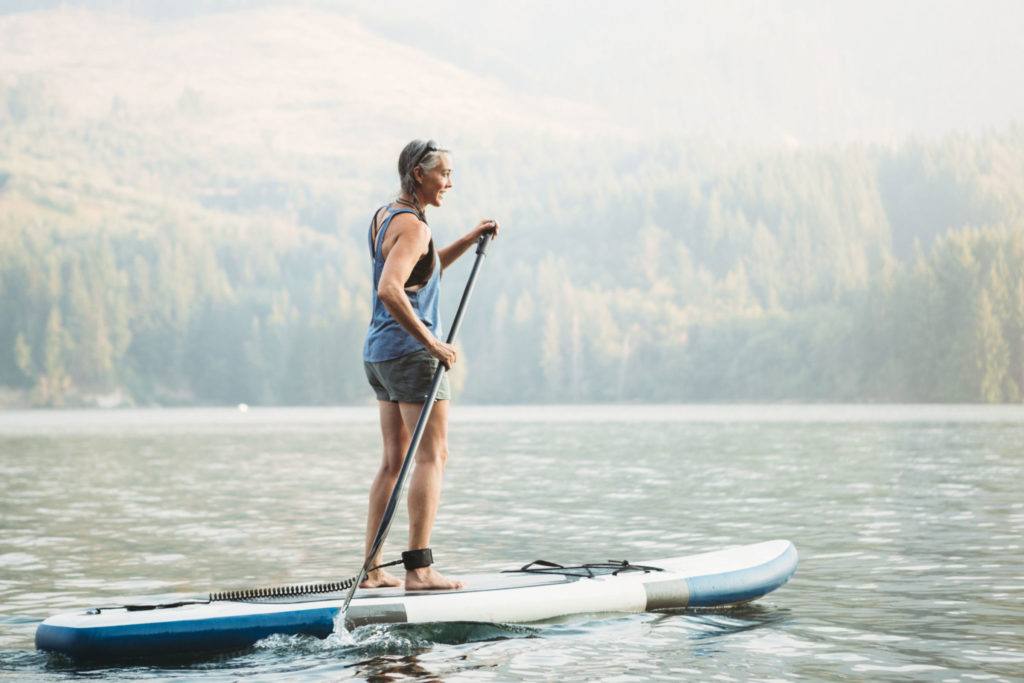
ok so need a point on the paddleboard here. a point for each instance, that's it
(533, 593)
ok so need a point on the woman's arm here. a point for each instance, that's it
(411, 240)
(453, 251)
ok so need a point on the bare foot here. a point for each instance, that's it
(379, 578)
(426, 578)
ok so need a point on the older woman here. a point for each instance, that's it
(403, 349)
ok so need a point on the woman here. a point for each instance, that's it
(402, 351)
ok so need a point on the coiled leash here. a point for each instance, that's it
(292, 591)
(412, 559)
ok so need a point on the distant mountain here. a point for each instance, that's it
(344, 75)
(184, 191)
(302, 80)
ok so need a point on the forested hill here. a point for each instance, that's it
(173, 250)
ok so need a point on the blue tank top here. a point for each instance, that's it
(386, 339)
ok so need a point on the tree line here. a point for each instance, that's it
(668, 271)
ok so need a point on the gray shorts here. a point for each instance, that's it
(407, 378)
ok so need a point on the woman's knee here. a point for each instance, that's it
(391, 463)
(432, 454)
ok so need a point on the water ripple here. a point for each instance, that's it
(908, 526)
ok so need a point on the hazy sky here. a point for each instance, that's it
(797, 67)
(789, 70)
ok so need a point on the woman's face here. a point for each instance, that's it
(436, 181)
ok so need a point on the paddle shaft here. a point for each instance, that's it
(421, 424)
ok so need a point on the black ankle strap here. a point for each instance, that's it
(416, 559)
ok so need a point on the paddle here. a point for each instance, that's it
(421, 423)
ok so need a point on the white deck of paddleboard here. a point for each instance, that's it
(501, 597)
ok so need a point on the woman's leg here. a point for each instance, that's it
(425, 489)
(396, 443)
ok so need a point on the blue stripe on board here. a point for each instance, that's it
(169, 637)
(743, 584)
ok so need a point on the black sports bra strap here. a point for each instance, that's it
(387, 221)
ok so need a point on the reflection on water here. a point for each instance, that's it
(908, 521)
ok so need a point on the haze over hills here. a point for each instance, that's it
(761, 72)
(702, 201)
(301, 81)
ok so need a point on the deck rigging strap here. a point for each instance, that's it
(142, 608)
(590, 570)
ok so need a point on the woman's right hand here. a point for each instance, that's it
(488, 225)
(444, 353)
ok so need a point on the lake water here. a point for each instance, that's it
(909, 521)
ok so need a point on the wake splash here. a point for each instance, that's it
(375, 640)
(340, 637)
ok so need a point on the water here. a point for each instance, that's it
(909, 521)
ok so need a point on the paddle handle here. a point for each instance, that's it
(460, 312)
(396, 493)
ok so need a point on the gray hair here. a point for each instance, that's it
(423, 153)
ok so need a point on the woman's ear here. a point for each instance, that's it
(418, 174)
